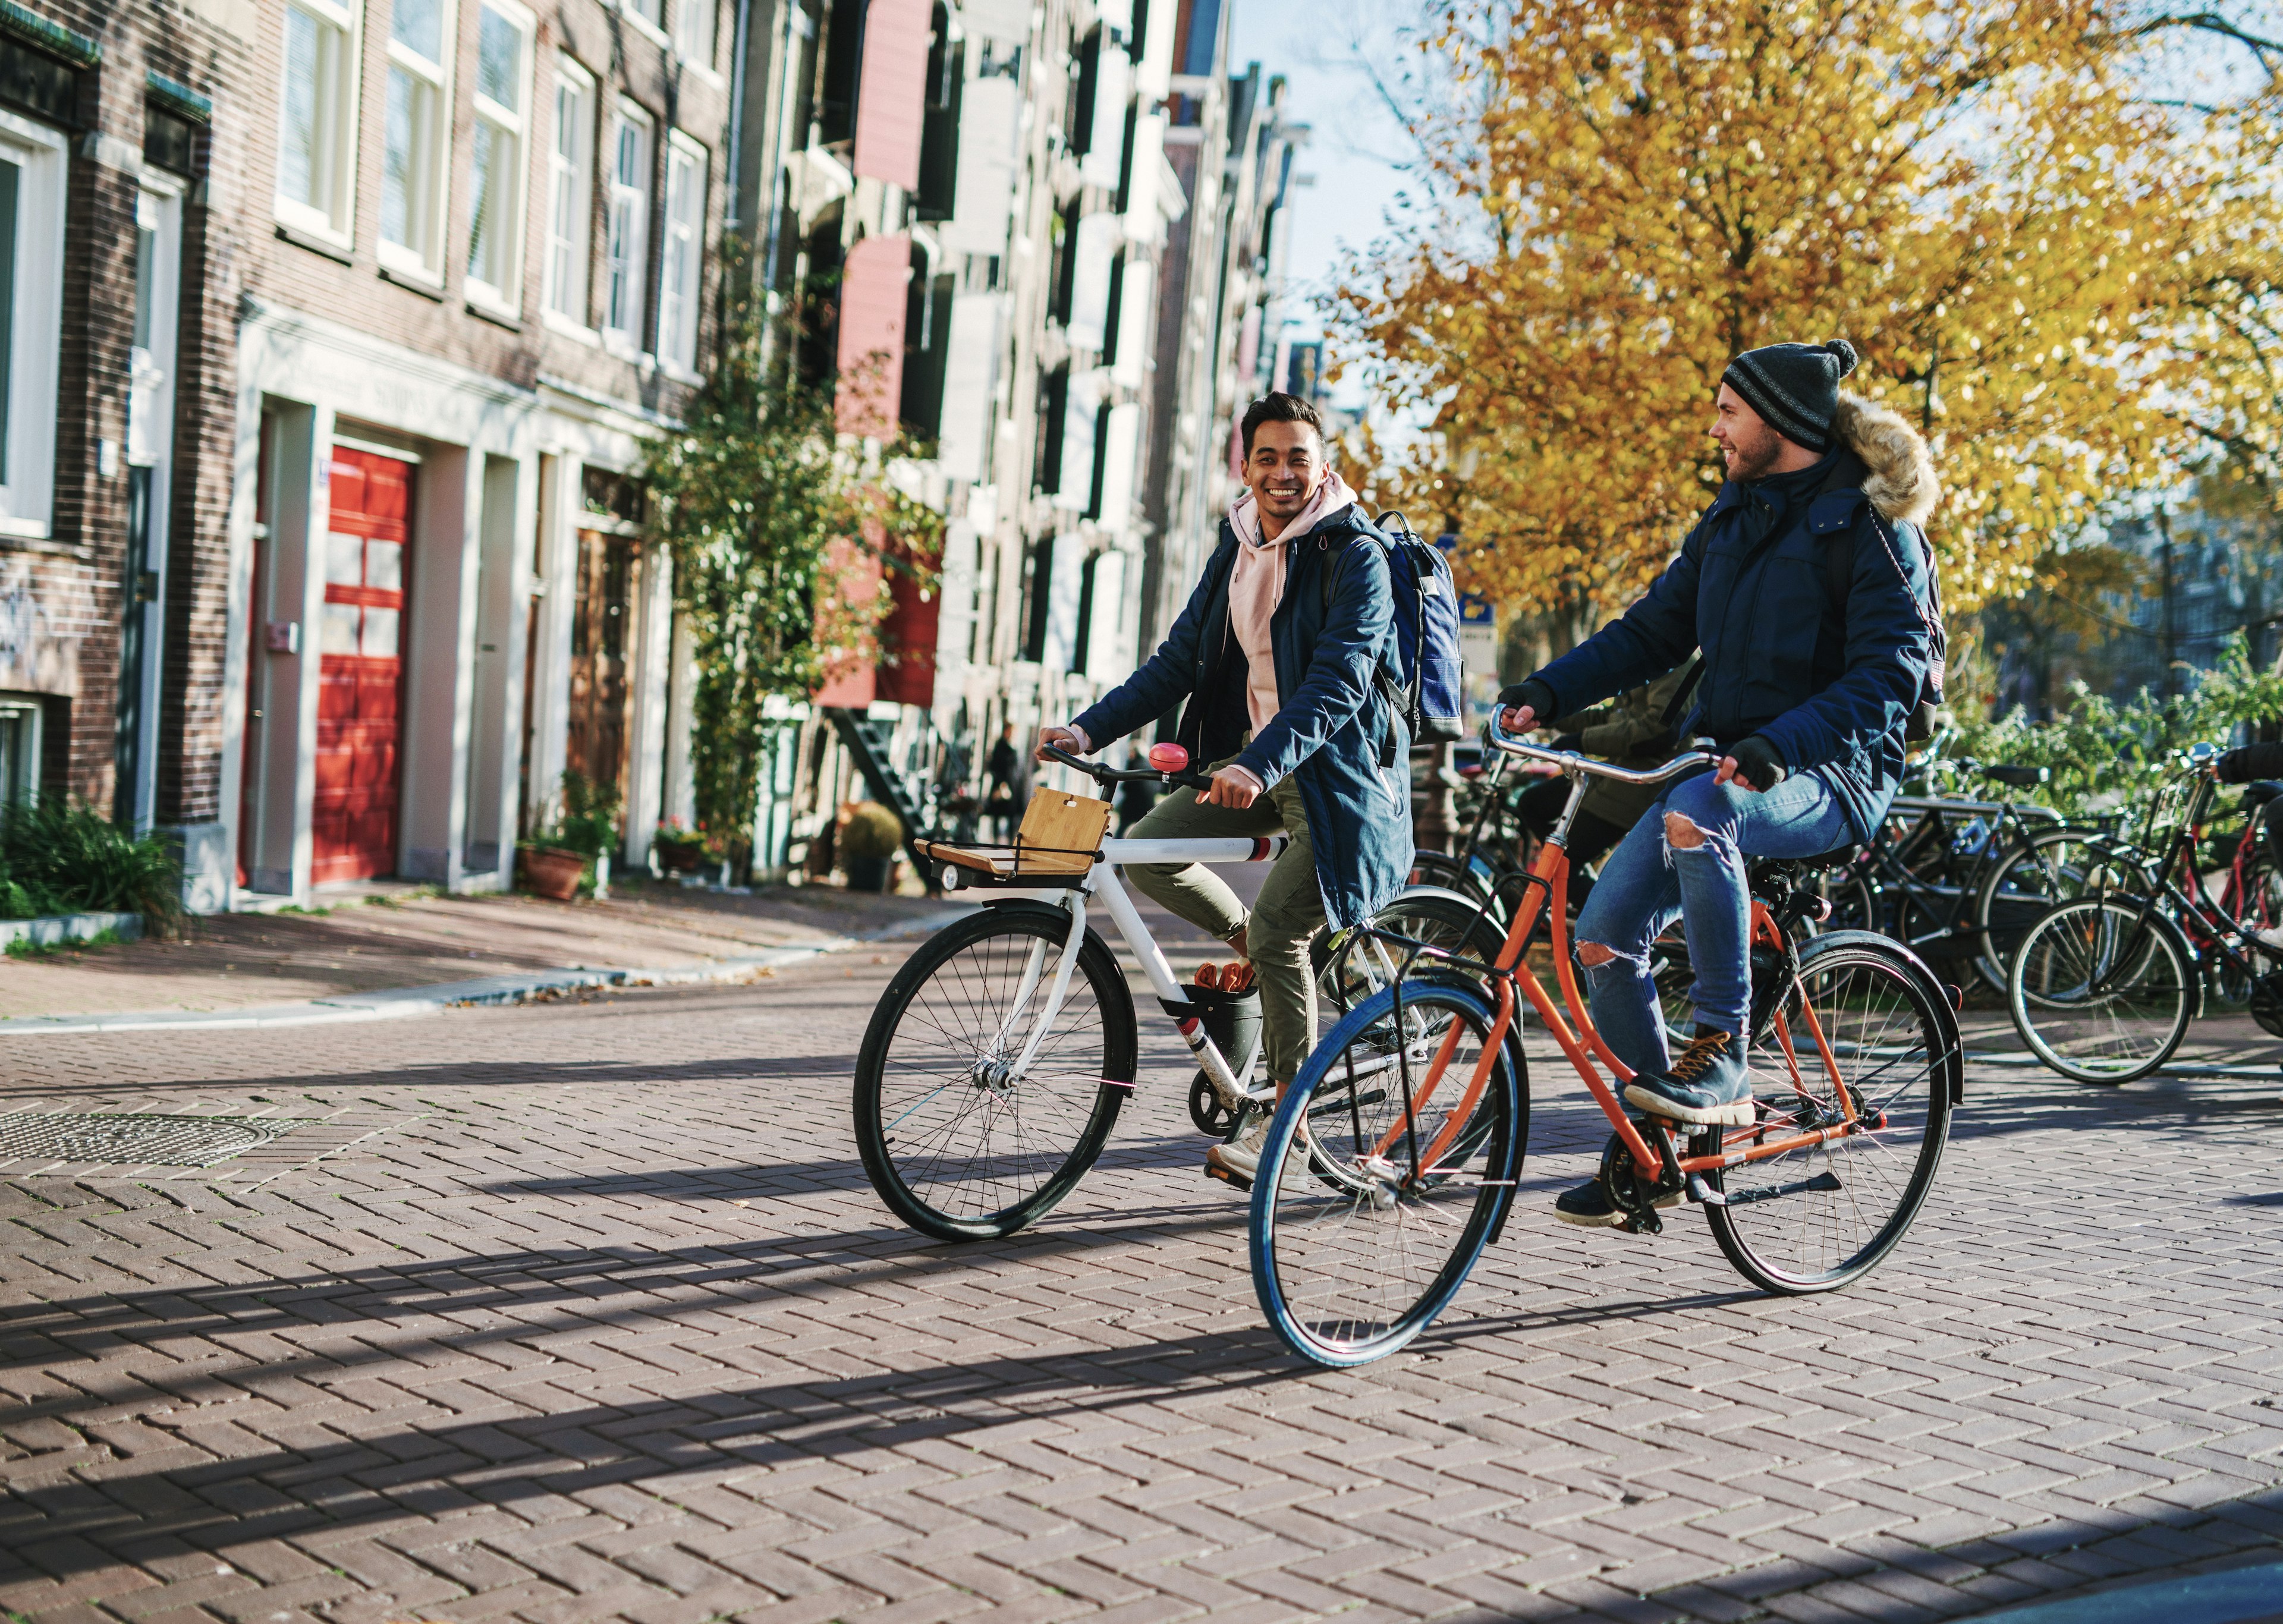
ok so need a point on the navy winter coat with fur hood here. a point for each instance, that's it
(1829, 686)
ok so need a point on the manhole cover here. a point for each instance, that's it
(166, 1141)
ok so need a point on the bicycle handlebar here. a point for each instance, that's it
(1106, 775)
(1570, 761)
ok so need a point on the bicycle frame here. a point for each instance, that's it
(1548, 896)
(2205, 925)
(1102, 882)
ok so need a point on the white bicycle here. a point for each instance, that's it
(1000, 1055)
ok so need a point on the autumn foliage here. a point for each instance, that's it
(2068, 283)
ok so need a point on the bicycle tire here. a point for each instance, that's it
(1072, 1090)
(2005, 907)
(2098, 999)
(1440, 869)
(1355, 969)
(1817, 1219)
(1318, 1248)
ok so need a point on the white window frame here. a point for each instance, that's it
(627, 255)
(335, 223)
(425, 257)
(27, 478)
(647, 15)
(503, 295)
(697, 31)
(687, 164)
(567, 299)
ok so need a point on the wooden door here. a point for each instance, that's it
(361, 668)
(601, 635)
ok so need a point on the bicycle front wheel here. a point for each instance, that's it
(1861, 1020)
(2102, 989)
(963, 1140)
(1349, 1269)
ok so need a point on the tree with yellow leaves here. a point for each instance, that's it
(2068, 283)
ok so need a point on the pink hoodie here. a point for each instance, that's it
(1256, 585)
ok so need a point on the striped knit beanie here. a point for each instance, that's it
(1795, 387)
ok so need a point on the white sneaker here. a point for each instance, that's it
(1236, 1160)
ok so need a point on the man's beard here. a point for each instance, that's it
(1757, 460)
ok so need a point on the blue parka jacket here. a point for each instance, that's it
(1335, 729)
(1830, 687)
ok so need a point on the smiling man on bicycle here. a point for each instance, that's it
(1806, 593)
(1284, 676)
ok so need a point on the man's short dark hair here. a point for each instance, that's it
(1277, 406)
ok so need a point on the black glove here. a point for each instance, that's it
(1757, 763)
(1571, 740)
(1533, 692)
(2229, 769)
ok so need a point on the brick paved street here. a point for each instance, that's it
(601, 1320)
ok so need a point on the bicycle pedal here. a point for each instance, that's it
(1703, 1193)
(1236, 1181)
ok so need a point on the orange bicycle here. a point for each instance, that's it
(1392, 1160)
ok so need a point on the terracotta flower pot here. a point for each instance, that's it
(551, 871)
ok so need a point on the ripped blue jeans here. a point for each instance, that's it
(1647, 880)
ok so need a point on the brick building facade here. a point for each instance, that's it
(340, 569)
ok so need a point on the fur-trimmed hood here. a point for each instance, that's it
(1900, 480)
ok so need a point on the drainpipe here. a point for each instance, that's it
(738, 114)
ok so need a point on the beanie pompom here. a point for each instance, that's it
(1845, 352)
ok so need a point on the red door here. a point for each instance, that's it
(360, 671)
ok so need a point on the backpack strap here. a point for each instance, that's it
(1675, 707)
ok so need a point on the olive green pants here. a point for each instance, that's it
(1288, 915)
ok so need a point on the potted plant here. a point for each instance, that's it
(867, 838)
(681, 849)
(555, 860)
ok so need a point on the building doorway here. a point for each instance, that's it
(601, 695)
(361, 668)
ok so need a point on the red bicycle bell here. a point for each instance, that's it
(1168, 757)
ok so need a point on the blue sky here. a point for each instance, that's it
(1356, 145)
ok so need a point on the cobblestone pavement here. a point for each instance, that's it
(601, 1320)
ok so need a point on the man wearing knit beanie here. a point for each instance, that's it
(1793, 388)
(1802, 585)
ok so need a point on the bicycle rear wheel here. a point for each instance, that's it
(1348, 1270)
(2102, 990)
(2034, 875)
(1357, 967)
(958, 1144)
(1815, 1218)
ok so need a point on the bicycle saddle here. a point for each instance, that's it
(2019, 778)
(1772, 868)
(2259, 791)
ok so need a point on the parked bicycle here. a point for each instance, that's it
(1392, 1161)
(1000, 1055)
(1962, 876)
(2104, 985)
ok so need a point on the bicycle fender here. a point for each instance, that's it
(1930, 984)
(1473, 904)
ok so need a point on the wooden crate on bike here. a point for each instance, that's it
(1061, 834)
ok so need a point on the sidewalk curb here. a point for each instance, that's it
(405, 1003)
